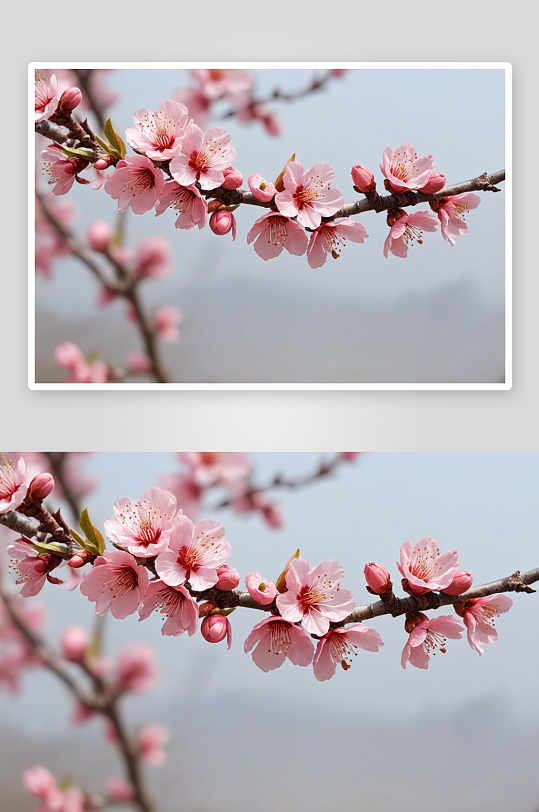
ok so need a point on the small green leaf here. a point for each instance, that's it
(107, 148)
(42, 547)
(84, 543)
(91, 532)
(77, 153)
(114, 139)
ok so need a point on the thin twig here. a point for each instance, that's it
(57, 462)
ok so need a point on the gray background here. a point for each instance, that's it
(436, 317)
(463, 734)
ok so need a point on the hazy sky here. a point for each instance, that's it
(436, 316)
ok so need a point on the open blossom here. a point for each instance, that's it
(315, 597)
(308, 194)
(195, 552)
(204, 157)
(12, 484)
(159, 134)
(430, 634)
(260, 589)
(32, 569)
(262, 189)
(479, 615)
(143, 527)
(185, 199)
(338, 645)
(217, 467)
(272, 232)
(175, 604)
(404, 170)
(136, 670)
(46, 96)
(405, 230)
(60, 169)
(424, 568)
(166, 321)
(330, 238)
(40, 782)
(153, 260)
(276, 639)
(115, 582)
(151, 740)
(135, 182)
(452, 214)
(69, 356)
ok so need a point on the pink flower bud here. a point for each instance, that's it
(102, 163)
(215, 628)
(233, 178)
(363, 179)
(461, 582)
(228, 578)
(74, 643)
(260, 590)
(40, 487)
(377, 578)
(80, 559)
(70, 99)
(434, 184)
(221, 222)
(120, 790)
(99, 235)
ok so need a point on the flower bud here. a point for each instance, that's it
(214, 628)
(40, 487)
(206, 608)
(461, 582)
(434, 184)
(99, 235)
(221, 222)
(377, 578)
(228, 578)
(233, 178)
(363, 179)
(260, 590)
(102, 163)
(74, 643)
(70, 99)
(80, 559)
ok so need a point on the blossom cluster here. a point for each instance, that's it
(177, 164)
(164, 561)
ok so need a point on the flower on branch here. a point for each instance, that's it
(12, 484)
(404, 170)
(136, 670)
(46, 97)
(260, 589)
(338, 645)
(308, 194)
(330, 238)
(175, 605)
(452, 213)
(272, 232)
(204, 157)
(143, 527)
(195, 552)
(159, 134)
(427, 636)
(274, 640)
(185, 199)
(135, 182)
(479, 615)
(115, 582)
(315, 597)
(33, 569)
(407, 228)
(151, 740)
(424, 569)
(69, 356)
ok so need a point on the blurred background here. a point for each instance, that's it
(464, 734)
(435, 317)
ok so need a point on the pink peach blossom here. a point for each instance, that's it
(40, 782)
(363, 178)
(452, 214)
(427, 636)
(461, 582)
(405, 230)
(308, 194)
(330, 238)
(115, 582)
(60, 169)
(195, 551)
(143, 527)
(233, 178)
(435, 183)
(404, 170)
(69, 356)
(221, 222)
(175, 604)
(153, 258)
(185, 199)
(136, 670)
(151, 741)
(70, 100)
(99, 235)
(46, 97)
(377, 578)
(135, 182)
(215, 628)
(74, 643)
(41, 486)
(218, 82)
(210, 468)
(260, 589)
(159, 134)
(272, 232)
(204, 157)
(337, 646)
(274, 640)
(33, 569)
(228, 578)
(119, 789)
(424, 568)
(262, 189)
(315, 597)
(479, 615)
(166, 321)
(138, 362)
(12, 484)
